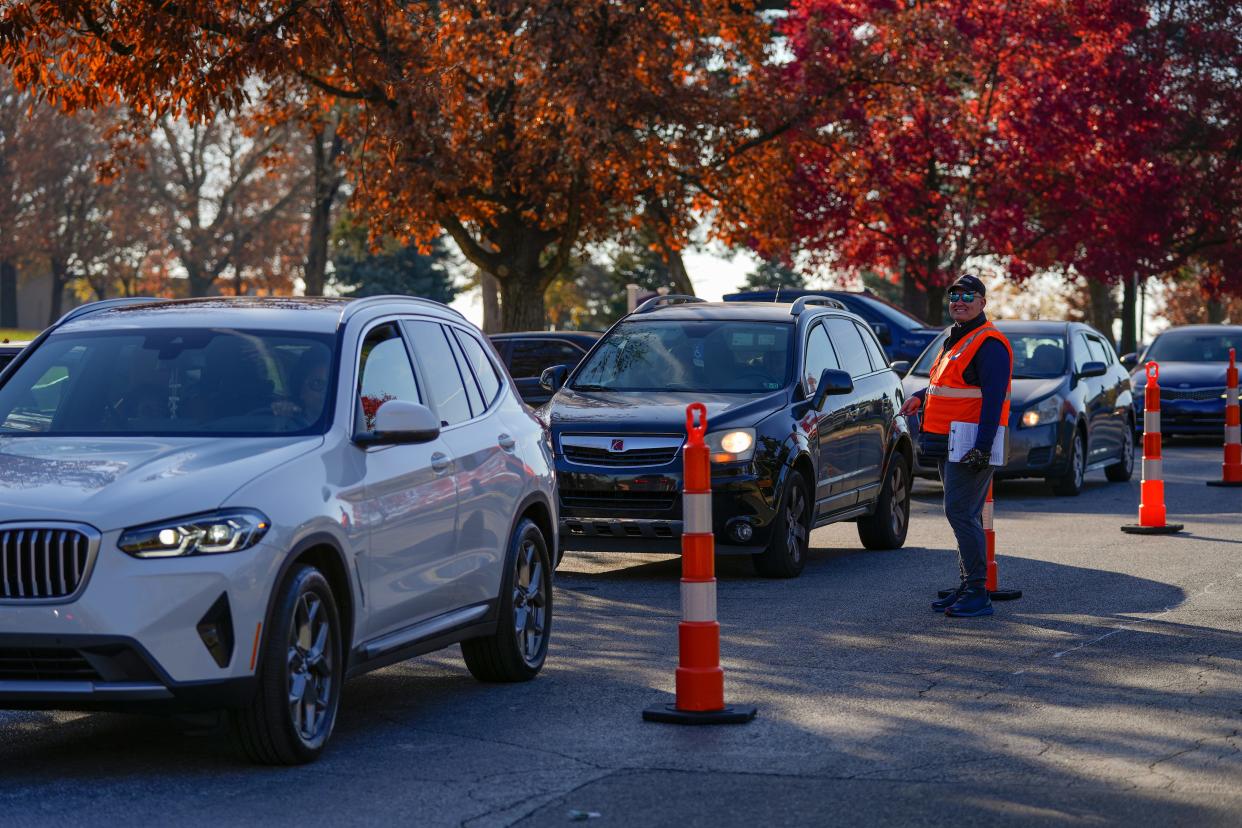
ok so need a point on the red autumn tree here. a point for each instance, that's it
(521, 128)
(967, 129)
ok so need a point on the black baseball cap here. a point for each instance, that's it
(969, 283)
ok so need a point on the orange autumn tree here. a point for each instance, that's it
(522, 129)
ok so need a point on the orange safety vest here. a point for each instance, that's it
(949, 398)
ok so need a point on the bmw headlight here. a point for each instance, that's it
(733, 446)
(229, 530)
(1043, 412)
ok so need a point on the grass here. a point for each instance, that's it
(15, 335)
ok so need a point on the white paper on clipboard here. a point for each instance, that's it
(962, 439)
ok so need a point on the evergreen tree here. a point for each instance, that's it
(395, 268)
(772, 274)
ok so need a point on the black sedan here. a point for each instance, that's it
(1193, 360)
(527, 354)
(1072, 409)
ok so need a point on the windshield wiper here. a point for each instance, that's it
(589, 387)
(1031, 376)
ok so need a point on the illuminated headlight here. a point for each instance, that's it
(731, 446)
(1044, 412)
(230, 530)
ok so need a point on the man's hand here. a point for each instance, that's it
(912, 405)
(975, 460)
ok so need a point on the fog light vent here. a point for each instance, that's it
(216, 630)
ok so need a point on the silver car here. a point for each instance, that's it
(240, 503)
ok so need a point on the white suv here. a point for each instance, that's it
(241, 503)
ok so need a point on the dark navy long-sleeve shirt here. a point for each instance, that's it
(989, 369)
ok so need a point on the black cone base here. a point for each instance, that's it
(1167, 529)
(669, 714)
(994, 594)
(1225, 483)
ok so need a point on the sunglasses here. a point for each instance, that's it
(962, 296)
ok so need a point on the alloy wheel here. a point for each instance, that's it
(529, 605)
(900, 504)
(795, 527)
(1080, 463)
(310, 666)
(1127, 453)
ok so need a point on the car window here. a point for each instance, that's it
(1082, 353)
(878, 362)
(1194, 346)
(1099, 352)
(180, 381)
(923, 367)
(819, 357)
(529, 357)
(1037, 355)
(484, 368)
(703, 356)
(384, 373)
(847, 342)
(445, 386)
(467, 376)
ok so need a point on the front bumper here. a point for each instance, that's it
(640, 510)
(164, 632)
(1185, 416)
(1040, 451)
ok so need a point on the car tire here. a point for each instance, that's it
(1070, 484)
(518, 648)
(785, 556)
(1123, 470)
(886, 527)
(301, 657)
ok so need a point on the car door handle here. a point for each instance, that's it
(440, 462)
(506, 442)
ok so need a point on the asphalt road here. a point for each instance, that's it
(1110, 693)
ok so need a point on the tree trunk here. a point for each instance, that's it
(677, 275)
(521, 301)
(1215, 310)
(913, 297)
(58, 278)
(1102, 308)
(8, 294)
(327, 183)
(1129, 297)
(490, 289)
(935, 305)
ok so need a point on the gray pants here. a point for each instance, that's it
(965, 492)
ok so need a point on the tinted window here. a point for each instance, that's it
(1037, 356)
(384, 373)
(171, 382)
(443, 375)
(819, 357)
(873, 348)
(847, 342)
(1082, 354)
(1099, 353)
(1191, 346)
(472, 388)
(700, 356)
(529, 357)
(923, 367)
(484, 369)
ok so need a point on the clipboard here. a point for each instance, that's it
(962, 439)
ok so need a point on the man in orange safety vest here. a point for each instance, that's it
(970, 386)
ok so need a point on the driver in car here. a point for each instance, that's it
(310, 388)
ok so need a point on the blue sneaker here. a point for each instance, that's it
(974, 603)
(949, 600)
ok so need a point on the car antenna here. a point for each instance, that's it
(778, 293)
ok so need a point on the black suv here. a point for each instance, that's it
(803, 428)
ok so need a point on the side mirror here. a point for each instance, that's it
(1093, 369)
(553, 378)
(1129, 361)
(401, 421)
(901, 366)
(882, 332)
(832, 381)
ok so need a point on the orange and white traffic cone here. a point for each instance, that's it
(994, 592)
(1151, 498)
(1231, 469)
(700, 679)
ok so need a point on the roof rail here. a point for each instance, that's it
(801, 303)
(103, 304)
(355, 305)
(671, 299)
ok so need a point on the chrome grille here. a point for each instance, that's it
(42, 562)
(604, 457)
(1196, 394)
(620, 450)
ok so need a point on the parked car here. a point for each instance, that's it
(803, 423)
(526, 355)
(8, 350)
(240, 503)
(1071, 409)
(902, 334)
(1193, 360)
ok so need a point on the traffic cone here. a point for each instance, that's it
(994, 592)
(1151, 499)
(1231, 469)
(700, 679)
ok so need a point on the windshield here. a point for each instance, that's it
(1035, 355)
(185, 382)
(1179, 346)
(700, 356)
